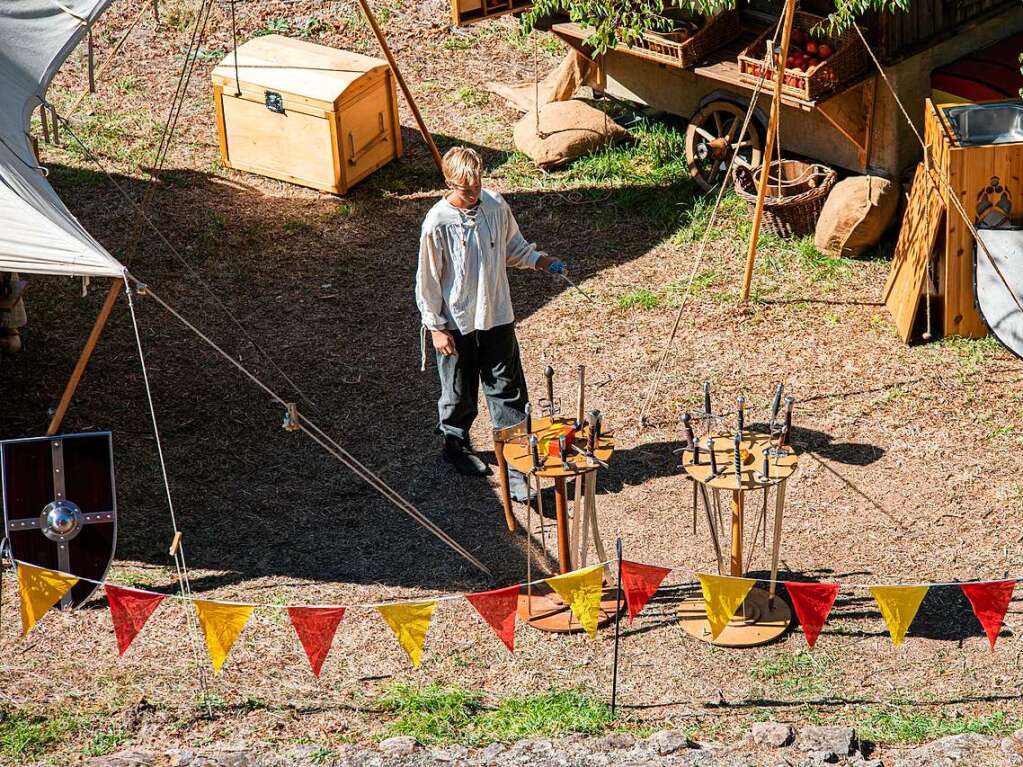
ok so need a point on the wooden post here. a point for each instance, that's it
(772, 134)
(401, 83)
(90, 53)
(779, 511)
(83, 359)
(561, 513)
(156, 11)
(738, 510)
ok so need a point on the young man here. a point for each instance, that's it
(468, 240)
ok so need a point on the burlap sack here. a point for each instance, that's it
(856, 214)
(560, 84)
(568, 129)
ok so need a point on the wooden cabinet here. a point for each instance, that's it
(469, 11)
(305, 113)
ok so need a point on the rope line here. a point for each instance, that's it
(312, 430)
(278, 605)
(178, 552)
(659, 368)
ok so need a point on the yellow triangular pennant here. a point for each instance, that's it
(39, 590)
(409, 622)
(582, 591)
(722, 596)
(221, 624)
(898, 606)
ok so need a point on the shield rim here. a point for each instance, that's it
(113, 487)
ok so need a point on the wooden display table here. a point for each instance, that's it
(763, 617)
(540, 607)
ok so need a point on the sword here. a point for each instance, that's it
(740, 406)
(776, 402)
(706, 398)
(529, 419)
(713, 458)
(534, 452)
(785, 434)
(548, 374)
(590, 456)
(563, 451)
(588, 297)
(765, 468)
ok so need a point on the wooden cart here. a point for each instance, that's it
(857, 126)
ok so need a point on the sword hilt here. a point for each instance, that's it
(529, 418)
(776, 402)
(548, 375)
(786, 434)
(593, 419)
(713, 457)
(740, 412)
(687, 422)
(706, 398)
(534, 451)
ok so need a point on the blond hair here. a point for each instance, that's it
(463, 167)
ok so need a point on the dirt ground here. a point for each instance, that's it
(910, 467)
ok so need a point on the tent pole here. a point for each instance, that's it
(772, 134)
(83, 359)
(401, 83)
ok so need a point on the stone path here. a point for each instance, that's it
(770, 744)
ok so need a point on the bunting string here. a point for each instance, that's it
(222, 621)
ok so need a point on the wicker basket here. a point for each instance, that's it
(849, 60)
(796, 192)
(717, 30)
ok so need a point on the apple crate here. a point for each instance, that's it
(848, 59)
(686, 50)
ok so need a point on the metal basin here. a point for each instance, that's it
(978, 124)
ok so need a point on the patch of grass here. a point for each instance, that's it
(178, 14)
(105, 741)
(894, 393)
(297, 226)
(274, 27)
(436, 714)
(24, 737)
(893, 726)
(322, 755)
(125, 138)
(639, 299)
(210, 54)
(459, 42)
(312, 26)
(472, 97)
(126, 83)
(822, 267)
(800, 673)
(973, 353)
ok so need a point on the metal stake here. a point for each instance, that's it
(90, 53)
(618, 621)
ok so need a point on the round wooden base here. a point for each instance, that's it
(547, 612)
(754, 622)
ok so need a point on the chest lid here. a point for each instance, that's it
(299, 69)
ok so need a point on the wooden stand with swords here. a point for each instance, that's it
(563, 449)
(740, 462)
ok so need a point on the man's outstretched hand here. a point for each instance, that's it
(550, 264)
(444, 342)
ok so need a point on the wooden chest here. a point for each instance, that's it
(305, 113)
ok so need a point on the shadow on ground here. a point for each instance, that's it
(325, 285)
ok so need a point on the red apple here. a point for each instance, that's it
(798, 37)
(811, 47)
(824, 50)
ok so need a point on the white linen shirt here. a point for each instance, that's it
(462, 280)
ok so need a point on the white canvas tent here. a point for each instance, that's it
(38, 234)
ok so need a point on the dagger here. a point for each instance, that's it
(765, 468)
(548, 374)
(534, 452)
(594, 422)
(713, 458)
(706, 397)
(529, 419)
(563, 450)
(785, 434)
(738, 461)
(740, 406)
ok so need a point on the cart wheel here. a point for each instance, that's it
(712, 138)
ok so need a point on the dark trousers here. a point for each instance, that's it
(490, 356)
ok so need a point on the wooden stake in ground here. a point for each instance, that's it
(772, 135)
(401, 83)
(83, 359)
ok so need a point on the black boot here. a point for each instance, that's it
(519, 487)
(459, 453)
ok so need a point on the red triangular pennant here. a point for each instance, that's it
(498, 608)
(640, 582)
(316, 627)
(812, 603)
(989, 602)
(129, 610)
